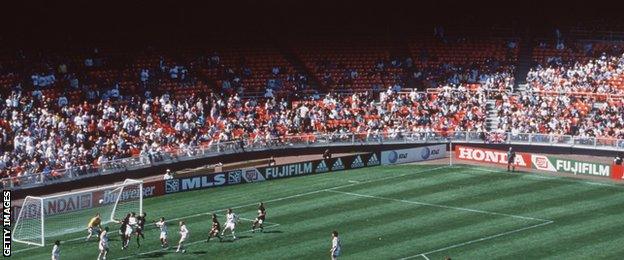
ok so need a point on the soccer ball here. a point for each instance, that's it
(101, 201)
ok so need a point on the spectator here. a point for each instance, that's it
(168, 175)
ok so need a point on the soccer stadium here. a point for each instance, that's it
(312, 130)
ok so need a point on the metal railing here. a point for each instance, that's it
(312, 140)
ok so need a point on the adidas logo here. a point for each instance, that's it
(357, 163)
(373, 160)
(322, 167)
(338, 165)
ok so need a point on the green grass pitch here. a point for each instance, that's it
(388, 212)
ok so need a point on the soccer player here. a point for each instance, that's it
(132, 220)
(335, 249)
(216, 228)
(511, 159)
(230, 223)
(94, 227)
(163, 232)
(103, 245)
(183, 236)
(128, 234)
(140, 227)
(260, 219)
(56, 250)
(124, 228)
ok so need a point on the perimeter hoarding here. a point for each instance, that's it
(553, 164)
(534, 161)
(484, 155)
(417, 154)
(267, 173)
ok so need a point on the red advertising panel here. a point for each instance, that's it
(617, 172)
(484, 155)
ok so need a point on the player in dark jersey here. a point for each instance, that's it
(122, 230)
(140, 227)
(258, 222)
(215, 229)
(511, 159)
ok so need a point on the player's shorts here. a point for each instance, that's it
(183, 238)
(103, 246)
(93, 230)
(163, 235)
(128, 231)
(336, 253)
(230, 226)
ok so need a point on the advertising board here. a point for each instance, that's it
(413, 154)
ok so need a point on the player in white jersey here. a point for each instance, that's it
(336, 246)
(183, 236)
(162, 225)
(230, 223)
(103, 244)
(133, 220)
(56, 250)
(127, 234)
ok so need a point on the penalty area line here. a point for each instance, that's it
(440, 206)
(478, 240)
(274, 200)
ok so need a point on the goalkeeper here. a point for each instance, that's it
(94, 227)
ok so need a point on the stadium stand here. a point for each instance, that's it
(72, 113)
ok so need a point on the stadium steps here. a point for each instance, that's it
(525, 56)
(491, 120)
(299, 65)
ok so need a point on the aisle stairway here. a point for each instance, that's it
(492, 120)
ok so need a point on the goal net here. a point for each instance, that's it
(45, 217)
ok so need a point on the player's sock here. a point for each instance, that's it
(233, 235)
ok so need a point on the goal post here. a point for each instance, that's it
(45, 217)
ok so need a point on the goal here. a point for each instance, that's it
(45, 217)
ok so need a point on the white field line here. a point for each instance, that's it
(542, 175)
(479, 240)
(272, 200)
(172, 247)
(424, 256)
(440, 206)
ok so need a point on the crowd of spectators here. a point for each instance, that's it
(602, 75)
(73, 118)
(43, 135)
(582, 116)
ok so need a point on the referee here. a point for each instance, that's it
(511, 158)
